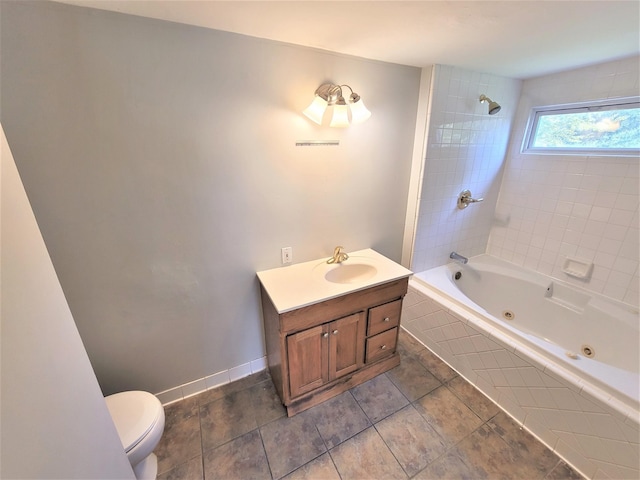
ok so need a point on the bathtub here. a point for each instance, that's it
(560, 360)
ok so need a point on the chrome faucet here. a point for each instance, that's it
(458, 257)
(338, 256)
(465, 198)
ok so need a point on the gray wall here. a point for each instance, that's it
(161, 165)
(55, 423)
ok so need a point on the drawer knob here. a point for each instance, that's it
(386, 319)
(383, 347)
(325, 335)
(335, 332)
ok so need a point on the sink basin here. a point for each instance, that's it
(350, 273)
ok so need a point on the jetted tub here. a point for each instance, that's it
(595, 337)
(584, 347)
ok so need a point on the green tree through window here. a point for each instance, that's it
(597, 128)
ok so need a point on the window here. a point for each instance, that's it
(606, 127)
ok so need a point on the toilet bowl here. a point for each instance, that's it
(139, 420)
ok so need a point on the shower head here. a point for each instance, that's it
(493, 106)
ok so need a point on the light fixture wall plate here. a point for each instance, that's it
(317, 143)
(343, 112)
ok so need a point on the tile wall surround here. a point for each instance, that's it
(577, 424)
(542, 208)
(554, 206)
(465, 150)
(209, 382)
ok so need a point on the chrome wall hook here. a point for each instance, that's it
(465, 198)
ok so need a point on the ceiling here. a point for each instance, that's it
(513, 38)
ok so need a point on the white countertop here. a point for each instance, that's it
(301, 284)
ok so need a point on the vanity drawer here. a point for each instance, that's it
(384, 317)
(381, 345)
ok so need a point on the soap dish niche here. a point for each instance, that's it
(578, 268)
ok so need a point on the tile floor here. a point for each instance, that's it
(419, 420)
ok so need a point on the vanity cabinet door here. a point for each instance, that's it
(346, 345)
(308, 359)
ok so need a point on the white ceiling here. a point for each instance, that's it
(513, 38)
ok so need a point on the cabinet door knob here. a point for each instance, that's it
(335, 332)
(325, 335)
(386, 319)
(383, 347)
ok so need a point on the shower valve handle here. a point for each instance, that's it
(465, 198)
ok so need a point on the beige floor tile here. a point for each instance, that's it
(437, 367)
(245, 433)
(192, 470)
(291, 442)
(562, 471)
(266, 403)
(538, 459)
(484, 450)
(322, 468)
(412, 378)
(241, 459)
(366, 456)
(338, 419)
(408, 342)
(180, 443)
(232, 387)
(451, 467)
(379, 398)
(445, 412)
(411, 439)
(473, 398)
(227, 418)
(180, 411)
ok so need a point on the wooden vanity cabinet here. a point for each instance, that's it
(321, 354)
(321, 350)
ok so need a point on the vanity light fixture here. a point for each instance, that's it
(329, 94)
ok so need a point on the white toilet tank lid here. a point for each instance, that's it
(134, 414)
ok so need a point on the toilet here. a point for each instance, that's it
(139, 420)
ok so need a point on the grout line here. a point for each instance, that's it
(265, 452)
(333, 461)
(363, 412)
(387, 445)
(204, 474)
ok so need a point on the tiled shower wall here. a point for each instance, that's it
(465, 150)
(554, 206)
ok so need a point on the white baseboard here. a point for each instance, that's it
(209, 382)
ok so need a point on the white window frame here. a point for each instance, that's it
(608, 104)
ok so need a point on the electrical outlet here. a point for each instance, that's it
(287, 255)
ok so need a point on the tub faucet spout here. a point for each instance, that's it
(458, 257)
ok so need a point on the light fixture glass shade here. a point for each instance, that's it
(340, 116)
(359, 113)
(315, 111)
